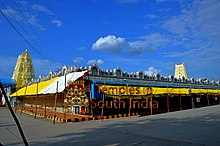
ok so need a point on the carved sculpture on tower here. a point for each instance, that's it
(24, 70)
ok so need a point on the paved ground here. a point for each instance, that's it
(190, 127)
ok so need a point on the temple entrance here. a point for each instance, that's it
(76, 110)
(82, 109)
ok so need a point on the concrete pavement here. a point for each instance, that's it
(190, 127)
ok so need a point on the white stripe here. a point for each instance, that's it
(52, 87)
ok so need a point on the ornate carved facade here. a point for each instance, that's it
(24, 70)
(76, 100)
(180, 71)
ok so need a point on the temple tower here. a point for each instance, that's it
(24, 70)
(180, 71)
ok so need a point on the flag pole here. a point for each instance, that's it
(64, 96)
(23, 100)
(35, 115)
(102, 107)
(55, 103)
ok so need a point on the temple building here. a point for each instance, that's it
(93, 91)
(24, 70)
(180, 71)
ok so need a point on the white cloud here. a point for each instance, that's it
(181, 54)
(78, 59)
(197, 27)
(154, 39)
(127, 1)
(9, 11)
(151, 71)
(160, 1)
(189, 36)
(177, 26)
(34, 21)
(135, 49)
(81, 48)
(148, 43)
(98, 62)
(23, 3)
(198, 22)
(109, 43)
(91, 62)
(151, 16)
(57, 22)
(42, 9)
(196, 32)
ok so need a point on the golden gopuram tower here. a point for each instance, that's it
(180, 71)
(24, 70)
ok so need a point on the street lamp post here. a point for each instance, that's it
(180, 100)
(208, 95)
(190, 93)
(168, 102)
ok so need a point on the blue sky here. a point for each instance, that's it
(147, 35)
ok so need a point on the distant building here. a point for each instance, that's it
(7, 83)
(24, 70)
(180, 71)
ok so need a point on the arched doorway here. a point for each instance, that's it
(83, 109)
(76, 110)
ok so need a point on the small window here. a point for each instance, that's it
(94, 71)
(140, 75)
(118, 73)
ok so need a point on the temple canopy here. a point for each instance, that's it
(49, 87)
